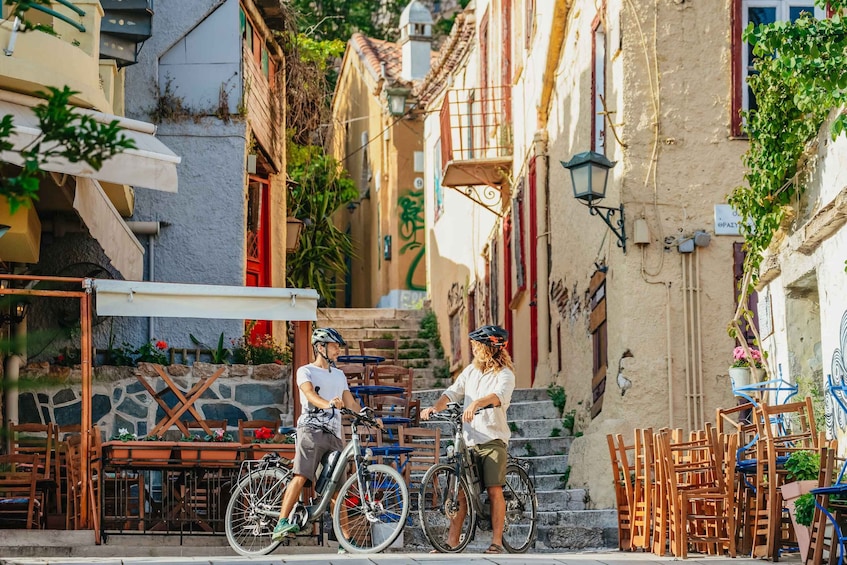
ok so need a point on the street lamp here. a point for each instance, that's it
(17, 314)
(293, 227)
(589, 177)
(396, 100)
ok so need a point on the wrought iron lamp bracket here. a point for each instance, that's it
(607, 215)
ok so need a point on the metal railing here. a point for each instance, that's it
(476, 123)
(59, 16)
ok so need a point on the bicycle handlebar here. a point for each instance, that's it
(454, 411)
(364, 416)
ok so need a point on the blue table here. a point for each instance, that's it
(361, 359)
(376, 390)
(754, 392)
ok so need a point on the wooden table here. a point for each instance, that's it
(185, 401)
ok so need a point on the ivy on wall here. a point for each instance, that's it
(800, 77)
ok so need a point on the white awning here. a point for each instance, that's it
(106, 225)
(150, 165)
(174, 300)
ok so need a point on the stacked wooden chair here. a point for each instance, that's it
(623, 476)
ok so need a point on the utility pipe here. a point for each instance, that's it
(151, 230)
(10, 398)
(541, 249)
(669, 352)
(698, 310)
(686, 339)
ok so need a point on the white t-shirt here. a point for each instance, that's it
(328, 383)
(472, 384)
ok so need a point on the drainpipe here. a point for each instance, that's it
(541, 249)
(151, 230)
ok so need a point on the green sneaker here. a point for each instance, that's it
(283, 528)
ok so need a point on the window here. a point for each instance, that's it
(265, 63)
(529, 22)
(436, 180)
(598, 87)
(757, 12)
(517, 226)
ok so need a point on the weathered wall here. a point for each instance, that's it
(696, 164)
(202, 238)
(242, 392)
(806, 285)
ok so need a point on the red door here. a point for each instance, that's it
(258, 270)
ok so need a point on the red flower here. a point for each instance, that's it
(264, 433)
(60, 358)
(161, 345)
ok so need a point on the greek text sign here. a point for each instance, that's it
(727, 221)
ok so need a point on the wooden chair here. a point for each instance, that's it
(643, 490)
(427, 451)
(819, 541)
(700, 507)
(19, 500)
(622, 481)
(247, 429)
(782, 430)
(198, 428)
(738, 421)
(357, 375)
(395, 375)
(388, 348)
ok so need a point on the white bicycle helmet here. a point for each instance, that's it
(327, 335)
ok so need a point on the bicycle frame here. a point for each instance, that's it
(461, 454)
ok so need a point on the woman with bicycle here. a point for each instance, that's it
(485, 385)
(323, 390)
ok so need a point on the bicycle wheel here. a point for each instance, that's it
(443, 497)
(253, 511)
(370, 521)
(521, 510)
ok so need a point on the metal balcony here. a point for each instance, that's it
(476, 143)
(126, 24)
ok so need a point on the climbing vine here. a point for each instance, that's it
(800, 76)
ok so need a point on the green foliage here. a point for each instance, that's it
(556, 432)
(65, 134)
(530, 451)
(811, 387)
(259, 350)
(804, 509)
(429, 331)
(220, 355)
(339, 19)
(513, 427)
(569, 420)
(803, 465)
(566, 476)
(120, 356)
(319, 188)
(559, 397)
(152, 351)
(68, 357)
(800, 76)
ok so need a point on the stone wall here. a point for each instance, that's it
(51, 393)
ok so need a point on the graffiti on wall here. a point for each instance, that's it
(836, 400)
(411, 210)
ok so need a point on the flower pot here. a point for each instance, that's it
(259, 450)
(740, 376)
(139, 453)
(791, 492)
(209, 453)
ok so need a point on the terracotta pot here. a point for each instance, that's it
(210, 453)
(259, 450)
(139, 453)
(791, 492)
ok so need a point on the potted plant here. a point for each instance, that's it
(743, 365)
(803, 468)
(127, 447)
(224, 450)
(265, 441)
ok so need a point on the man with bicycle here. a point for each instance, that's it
(486, 384)
(323, 389)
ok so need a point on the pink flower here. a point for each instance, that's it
(740, 358)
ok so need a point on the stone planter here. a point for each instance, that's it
(791, 492)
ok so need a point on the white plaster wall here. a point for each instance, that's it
(202, 238)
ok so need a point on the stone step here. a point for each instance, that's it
(525, 447)
(370, 317)
(518, 395)
(353, 335)
(557, 500)
(557, 532)
(521, 429)
(548, 482)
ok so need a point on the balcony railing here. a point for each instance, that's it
(476, 141)
(59, 16)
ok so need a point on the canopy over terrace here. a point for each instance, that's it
(136, 298)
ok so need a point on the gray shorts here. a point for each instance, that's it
(311, 446)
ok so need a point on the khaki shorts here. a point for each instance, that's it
(311, 446)
(491, 460)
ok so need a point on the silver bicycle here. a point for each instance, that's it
(449, 487)
(370, 512)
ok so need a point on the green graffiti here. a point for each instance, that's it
(411, 223)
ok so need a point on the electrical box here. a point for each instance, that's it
(640, 232)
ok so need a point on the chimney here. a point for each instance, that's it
(415, 40)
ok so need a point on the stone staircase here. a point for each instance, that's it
(357, 324)
(565, 523)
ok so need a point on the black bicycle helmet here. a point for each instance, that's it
(495, 336)
(327, 335)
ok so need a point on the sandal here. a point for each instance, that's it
(494, 548)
